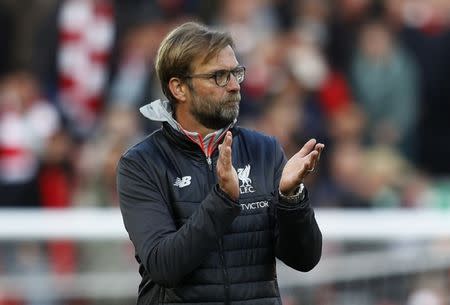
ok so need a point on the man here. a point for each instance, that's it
(208, 205)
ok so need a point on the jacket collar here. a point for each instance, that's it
(161, 111)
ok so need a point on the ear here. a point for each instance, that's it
(178, 89)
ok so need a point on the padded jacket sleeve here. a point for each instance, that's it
(298, 240)
(169, 254)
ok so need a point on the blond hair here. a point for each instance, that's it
(182, 46)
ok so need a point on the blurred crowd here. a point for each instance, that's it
(369, 78)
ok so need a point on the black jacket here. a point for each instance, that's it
(193, 243)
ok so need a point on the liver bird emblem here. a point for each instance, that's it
(243, 174)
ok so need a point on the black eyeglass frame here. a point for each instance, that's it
(216, 75)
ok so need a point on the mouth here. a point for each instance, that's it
(234, 99)
(231, 103)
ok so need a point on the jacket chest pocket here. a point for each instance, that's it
(182, 210)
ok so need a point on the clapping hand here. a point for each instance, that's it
(299, 166)
(226, 174)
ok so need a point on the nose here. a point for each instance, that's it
(233, 84)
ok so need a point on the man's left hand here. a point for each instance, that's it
(299, 166)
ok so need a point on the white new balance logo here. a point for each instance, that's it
(184, 181)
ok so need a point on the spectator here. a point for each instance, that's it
(385, 83)
(427, 35)
(76, 55)
(27, 121)
(344, 22)
(96, 164)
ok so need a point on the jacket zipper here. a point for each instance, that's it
(225, 273)
(208, 160)
(221, 253)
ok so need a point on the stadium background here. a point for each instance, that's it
(368, 78)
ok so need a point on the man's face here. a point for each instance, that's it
(213, 106)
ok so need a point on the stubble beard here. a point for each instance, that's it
(215, 114)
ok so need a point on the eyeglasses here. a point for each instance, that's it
(222, 77)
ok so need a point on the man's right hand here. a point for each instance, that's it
(226, 174)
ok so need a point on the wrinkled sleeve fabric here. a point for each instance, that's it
(298, 240)
(167, 253)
